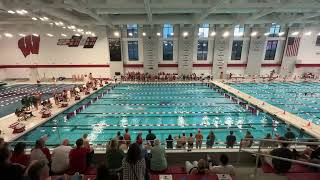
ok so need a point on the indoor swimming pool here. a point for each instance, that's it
(164, 108)
(302, 99)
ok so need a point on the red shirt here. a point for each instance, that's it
(78, 159)
(46, 151)
(22, 159)
(127, 137)
(139, 140)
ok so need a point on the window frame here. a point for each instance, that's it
(236, 52)
(270, 54)
(204, 30)
(202, 55)
(165, 53)
(274, 30)
(133, 50)
(237, 30)
(134, 29)
(167, 29)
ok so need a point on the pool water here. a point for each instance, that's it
(302, 99)
(11, 95)
(165, 108)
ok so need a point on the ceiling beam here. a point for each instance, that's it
(200, 17)
(148, 10)
(81, 7)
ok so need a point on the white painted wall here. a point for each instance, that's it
(51, 54)
(309, 53)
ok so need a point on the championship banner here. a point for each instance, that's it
(90, 42)
(74, 41)
(115, 49)
(77, 41)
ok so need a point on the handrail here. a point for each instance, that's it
(289, 142)
(284, 159)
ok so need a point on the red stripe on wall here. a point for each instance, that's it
(307, 65)
(133, 65)
(236, 65)
(167, 65)
(270, 65)
(55, 66)
(202, 65)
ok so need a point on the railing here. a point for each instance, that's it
(218, 145)
(259, 154)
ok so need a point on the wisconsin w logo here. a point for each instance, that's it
(29, 44)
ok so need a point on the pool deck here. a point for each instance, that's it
(285, 116)
(33, 122)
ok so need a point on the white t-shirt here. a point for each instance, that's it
(60, 159)
(228, 169)
(37, 154)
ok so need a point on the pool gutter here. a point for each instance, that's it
(285, 116)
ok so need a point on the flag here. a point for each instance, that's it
(293, 46)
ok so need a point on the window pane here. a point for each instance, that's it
(132, 30)
(203, 31)
(202, 52)
(168, 50)
(236, 50)
(167, 31)
(238, 30)
(271, 50)
(274, 30)
(318, 41)
(133, 52)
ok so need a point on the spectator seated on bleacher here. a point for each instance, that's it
(60, 157)
(9, 170)
(223, 168)
(38, 170)
(19, 155)
(280, 166)
(197, 167)
(158, 162)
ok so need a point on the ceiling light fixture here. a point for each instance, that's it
(308, 33)
(212, 33)
(8, 35)
(295, 33)
(185, 34)
(19, 12)
(158, 34)
(45, 18)
(88, 32)
(93, 34)
(50, 35)
(130, 34)
(22, 35)
(281, 33)
(226, 34)
(63, 35)
(34, 18)
(63, 27)
(117, 34)
(144, 34)
(77, 34)
(172, 34)
(267, 34)
(24, 11)
(254, 33)
(11, 12)
(35, 34)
